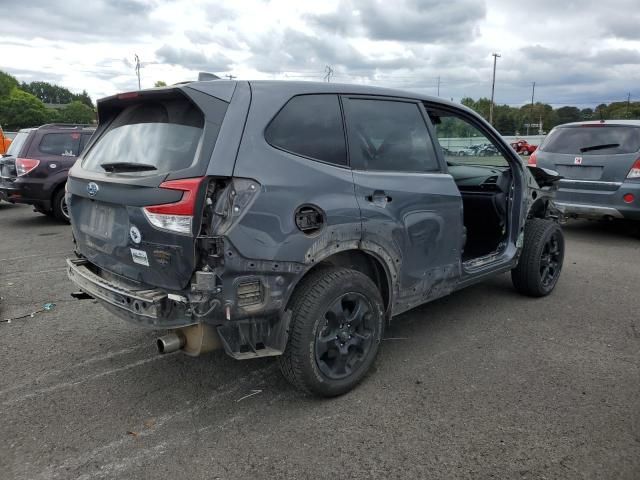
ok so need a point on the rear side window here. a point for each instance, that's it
(593, 140)
(65, 144)
(389, 136)
(17, 143)
(163, 134)
(83, 141)
(311, 126)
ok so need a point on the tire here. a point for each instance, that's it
(43, 211)
(541, 258)
(321, 357)
(59, 206)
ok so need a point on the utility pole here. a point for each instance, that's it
(438, 86)
(493, 86)
(533, 92)
(137, 59)
(230, 77)
(626, 114)
(328, 73)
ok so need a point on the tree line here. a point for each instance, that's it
(22, 105)
(510, 120)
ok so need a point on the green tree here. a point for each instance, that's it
(84, 98)
(568, 114)
(76, 112)
(21, 109)
(160, 83)
(7, 83)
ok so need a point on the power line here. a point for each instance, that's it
(533, 92)
(493, 86)
(329, 73)
(137, 59)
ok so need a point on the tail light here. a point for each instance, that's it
(532, 161)
(176, 217)
(25, 165)
(635, 170)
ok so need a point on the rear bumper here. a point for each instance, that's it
(15, 191)
(594, 202)
(152, 308)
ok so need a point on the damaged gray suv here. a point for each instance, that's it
(296, 219)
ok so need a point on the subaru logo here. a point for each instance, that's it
(92, 189)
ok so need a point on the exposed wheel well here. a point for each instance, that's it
(539, 208)
(362, 262)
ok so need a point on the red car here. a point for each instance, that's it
(523, 147)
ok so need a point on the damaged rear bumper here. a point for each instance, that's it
(256, 335)
(152, 308)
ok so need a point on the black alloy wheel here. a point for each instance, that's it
(345, 339)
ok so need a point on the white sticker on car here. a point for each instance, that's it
(139, 256)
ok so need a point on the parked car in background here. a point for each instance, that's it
(294, 219)
(600, 163)
(523, 147)
(36, 170)
(5, 142)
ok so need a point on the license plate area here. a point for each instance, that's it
(579, 172)
(101, 221)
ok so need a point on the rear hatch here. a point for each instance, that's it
(593, 156)
(137, 191)
(8, 162)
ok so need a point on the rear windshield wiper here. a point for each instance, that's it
(599, 147)
(127, 167)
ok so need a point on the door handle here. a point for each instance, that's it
(379, 198)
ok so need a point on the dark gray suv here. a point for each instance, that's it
(296, 219)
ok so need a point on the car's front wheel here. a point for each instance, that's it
(541, 258)
(336, 327)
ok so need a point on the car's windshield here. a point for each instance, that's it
(593, 140)
(16, 144)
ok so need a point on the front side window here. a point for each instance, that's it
(388, 136)
(65, 144)
(162, 135)
(311, 126)
(463, 143)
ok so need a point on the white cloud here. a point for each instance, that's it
(583, 52)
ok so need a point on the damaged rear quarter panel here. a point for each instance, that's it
(267, 232)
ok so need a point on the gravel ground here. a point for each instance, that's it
(483, 383)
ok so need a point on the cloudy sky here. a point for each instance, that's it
(577, 51)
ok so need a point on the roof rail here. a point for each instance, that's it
(67, 125)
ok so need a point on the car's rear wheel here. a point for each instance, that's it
(336, 327)
(59, 207)
(541, 258)
(43, 211)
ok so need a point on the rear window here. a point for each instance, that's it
(311, 126)
(65, 144)
(17, 143)
(164, 134)
(596, 140)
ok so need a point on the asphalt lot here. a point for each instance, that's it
(481, 384)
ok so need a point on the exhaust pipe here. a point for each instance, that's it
(192, 340)
(171, 342)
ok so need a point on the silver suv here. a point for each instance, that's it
(600, 163)
(296, 219)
